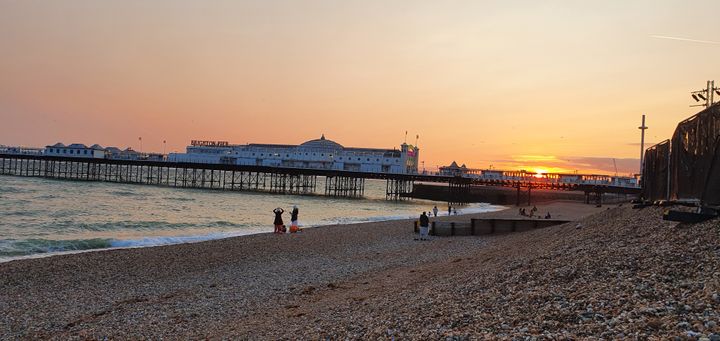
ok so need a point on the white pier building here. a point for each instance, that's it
(76, 150)
(317, 154)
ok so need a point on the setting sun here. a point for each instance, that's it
(539, 172)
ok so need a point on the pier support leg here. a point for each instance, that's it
(529, 194)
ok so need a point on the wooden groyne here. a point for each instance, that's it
(485, 226)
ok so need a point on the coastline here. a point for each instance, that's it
(166, 240)
(199, 289)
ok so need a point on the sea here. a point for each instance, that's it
(40, 217)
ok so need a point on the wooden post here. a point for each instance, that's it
(415, 226)
(472, 227)
(452, 228)
(432, 230)
(529, 193)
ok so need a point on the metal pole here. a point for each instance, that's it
(711, 93)
(642, 142)
(667, 189)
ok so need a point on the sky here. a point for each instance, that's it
(552, 85)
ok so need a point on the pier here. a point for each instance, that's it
(281, 180)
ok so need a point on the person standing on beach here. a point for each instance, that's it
(294, 219)
(424, 226)
(435, 210)
(278, 220)
(449, 210)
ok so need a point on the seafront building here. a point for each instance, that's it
(96, 151)
(76, 150)
(21, 150)
(316, 154)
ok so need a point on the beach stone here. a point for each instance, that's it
(683, 325)
(692, 333)
(710, 324)
(714, 337)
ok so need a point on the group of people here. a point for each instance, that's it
(280, 226)
(524, 213)
(424, 221)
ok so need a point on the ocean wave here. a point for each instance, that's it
(223, 223)
(156, 241)
(75, 225)
(10, 247)
(13, 190)
(124, 193)
(179, 199)
(23, 213)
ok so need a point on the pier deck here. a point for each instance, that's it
(263, 178)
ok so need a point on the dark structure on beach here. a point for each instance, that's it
(686, 167)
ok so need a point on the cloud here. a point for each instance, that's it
(687, 39)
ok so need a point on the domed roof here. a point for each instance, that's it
(321, 143)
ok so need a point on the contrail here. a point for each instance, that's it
(686, 39)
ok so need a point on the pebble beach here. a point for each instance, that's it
(612, 273)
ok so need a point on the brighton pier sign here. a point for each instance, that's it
(209, 143)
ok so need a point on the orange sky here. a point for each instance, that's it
(513, 84)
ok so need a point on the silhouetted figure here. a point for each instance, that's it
(435, 210)
(294, 219)
(424, 226)
(278, 220)
(547, 216)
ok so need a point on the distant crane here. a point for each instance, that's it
(615, 165)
